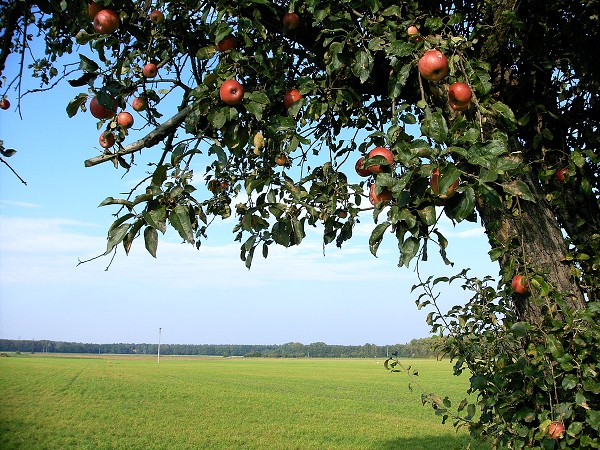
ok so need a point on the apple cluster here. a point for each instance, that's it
(105, 22)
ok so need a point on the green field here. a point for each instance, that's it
(219, 403)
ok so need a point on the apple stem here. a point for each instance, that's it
(422, 88)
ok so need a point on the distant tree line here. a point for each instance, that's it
(417, 348)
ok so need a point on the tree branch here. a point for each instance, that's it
(151, 139)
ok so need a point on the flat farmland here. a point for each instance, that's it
(221, 403)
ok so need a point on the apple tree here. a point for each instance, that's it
(480, 111)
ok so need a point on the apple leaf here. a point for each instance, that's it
(518, 189)
(377, 236)
(281, 233)
(115, 236)
(506, 114)
(75, 104)
(87, 65)
(434, 125)
(408, 250)
(465, 207)
(83, 80)
(151, 240)
(116, 201)
(180, 220)
(156, 218)
(363, 65)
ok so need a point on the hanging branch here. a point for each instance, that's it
(151, 139)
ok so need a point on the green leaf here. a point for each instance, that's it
(151, 240)
(363, 65)
(221, 155)
(75, 105)
(377, 236)
(281, 233)
(434, 126)
(465, 207)
(159, 176)
(87, 65)
(179, 219)
(156, 218)
(408, 250)
(506, 114)
(518, 189)
(116, 201)
(115, 236)
(82, 80)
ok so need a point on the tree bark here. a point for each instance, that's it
(531, 233)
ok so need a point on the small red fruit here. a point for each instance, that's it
(360, 169)
(4, 103)
(226, 44)
(520, 284)
(460, 95)
(384, 196)
(139, 104)
(231, 92)
(291, 97)
(291, 20)
(99, 111)
(380, 151)
(107, 140)
(157, 17)
(433, 65)
(434, 182)
(412, 30)
(150, 70)
(281, 159)
(106, 21)
(556, 430)
(125, 119)
(93, 9)
(560, 174)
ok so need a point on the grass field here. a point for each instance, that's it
(63, 402)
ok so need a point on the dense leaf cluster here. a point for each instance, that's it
(525, 155)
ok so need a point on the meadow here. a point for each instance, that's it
(52, 402)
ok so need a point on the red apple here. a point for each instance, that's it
(456, 107)
(382, 151)
(434, 182)
(520, 284)
(281, 159)
(360, 168)
(384, 196)
(106, 21)
(460, 95)
(139, 104)
(107, 139)
(291, 20)
(157, 17)
(99, 111)
(150, 70)
(412, 30)
(93, 9)
(561, 173)
(556, 430)
(433, 65)
(291, 97)
(231, 92)
(227, 43)
(4, 103)
(125, 119)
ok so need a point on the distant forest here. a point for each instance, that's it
(417, 348)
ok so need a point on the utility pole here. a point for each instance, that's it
(158, 355)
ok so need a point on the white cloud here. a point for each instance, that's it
(19, 204)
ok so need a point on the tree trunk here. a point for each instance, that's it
(531, 233)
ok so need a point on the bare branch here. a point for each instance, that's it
(151, 139)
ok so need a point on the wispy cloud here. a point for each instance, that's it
(19, 204)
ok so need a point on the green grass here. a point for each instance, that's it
(60, 402)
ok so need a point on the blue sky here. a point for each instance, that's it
(206, 296)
